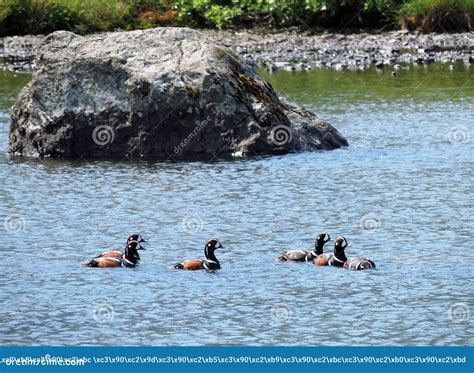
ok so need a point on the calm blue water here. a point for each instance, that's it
(401, 194)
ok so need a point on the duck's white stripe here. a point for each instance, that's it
(337, 260)
(105, 259)
(296, 251)
(128, 261)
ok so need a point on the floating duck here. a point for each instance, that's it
(128, 259)
(307, 256)
(210, 263)
(339, 258)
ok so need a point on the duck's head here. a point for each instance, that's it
(339, 245)
(137, 238)
(322, 239)
(211, 245)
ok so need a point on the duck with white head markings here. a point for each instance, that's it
(128, 258)
(210, 263)
(308, 255)
(339, 258)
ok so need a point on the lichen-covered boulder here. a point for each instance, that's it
(165, 93)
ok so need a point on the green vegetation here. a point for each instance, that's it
(438, 15)
(86, 16)
(43, 16)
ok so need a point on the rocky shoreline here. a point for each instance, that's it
(293, 50)
(18, 52)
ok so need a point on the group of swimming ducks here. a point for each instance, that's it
(130, 257)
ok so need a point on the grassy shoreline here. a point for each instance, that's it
(21, 17)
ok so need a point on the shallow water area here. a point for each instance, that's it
(401, 193)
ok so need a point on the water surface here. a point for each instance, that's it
(401, 194)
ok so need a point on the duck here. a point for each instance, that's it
(128, 259)
(307, 256)
(119, 254)
(339, 258)
(323, 259)
(210, 263)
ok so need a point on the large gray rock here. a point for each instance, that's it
(166, 93)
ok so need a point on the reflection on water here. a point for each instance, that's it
(401, 194)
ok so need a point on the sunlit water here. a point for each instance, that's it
(401, 194)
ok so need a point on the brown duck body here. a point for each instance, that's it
(129, 258)
(105, 262)
(191, 264)
(210, 263)
(323, 259)
(111, 254)
(197, 264)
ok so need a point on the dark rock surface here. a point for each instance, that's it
(166, 93)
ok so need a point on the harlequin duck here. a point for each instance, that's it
(128, 259)
(210, 263)
(306, 256)
(339, 258)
